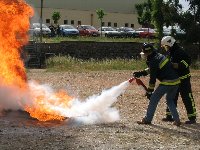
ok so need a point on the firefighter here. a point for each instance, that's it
(181, 62)
(159, 67)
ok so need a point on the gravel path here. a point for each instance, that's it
(19, 131)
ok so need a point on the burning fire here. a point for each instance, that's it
(46, 104)
(14, 25)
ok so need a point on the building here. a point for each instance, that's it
(118, 12)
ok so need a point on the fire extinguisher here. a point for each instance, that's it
(139, 82)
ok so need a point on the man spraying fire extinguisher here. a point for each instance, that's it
(159, 67)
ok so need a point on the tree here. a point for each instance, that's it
(192, 26)
(171, 11)
(100, 13)
(144, 13)
(56, 16)
(158, 16)
(195, 8)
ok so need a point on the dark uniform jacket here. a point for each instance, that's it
(161, 68)
(178, 55)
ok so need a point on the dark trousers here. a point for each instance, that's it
(185, 91)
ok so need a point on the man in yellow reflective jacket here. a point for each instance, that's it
(181, 62)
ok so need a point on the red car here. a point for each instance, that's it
(87, 30)
(146, 32)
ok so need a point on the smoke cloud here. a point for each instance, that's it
(97, 108)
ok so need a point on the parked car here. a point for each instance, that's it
(87, 30)
(35, 30)
(146, 32)
(68, 30)
(128, 32)
(168, 30)
(109, 32)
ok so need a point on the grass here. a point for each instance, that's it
(67, 63)
(96, 39)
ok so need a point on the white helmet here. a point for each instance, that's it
(168, 40)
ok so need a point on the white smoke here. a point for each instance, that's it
(12, 97)
(95, 109)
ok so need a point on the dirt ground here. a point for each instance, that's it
(20, 132)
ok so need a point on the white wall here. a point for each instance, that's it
(117, 11)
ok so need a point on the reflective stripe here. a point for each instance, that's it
(192, 115)
(168, 113)
(147, 70)
(151, 86)
(184, 62)
(170, 82)
(193, 106)
(163, 62)
(185, 76)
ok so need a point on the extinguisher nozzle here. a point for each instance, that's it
(131, 80)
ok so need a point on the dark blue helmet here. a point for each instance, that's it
(146, 47)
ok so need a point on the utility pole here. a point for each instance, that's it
(41, 20)
(148, 23)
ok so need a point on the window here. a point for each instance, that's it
(79, 22)
(72, 22)
(115, 24)
(65, 21)
(132, 26)
(126, 24)
(103, 24)
(47, 20)
(109, 24)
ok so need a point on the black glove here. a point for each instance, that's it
(148, 94)
(139, 74)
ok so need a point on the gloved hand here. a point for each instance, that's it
(149, 92)
(138, 74)
(148, 95)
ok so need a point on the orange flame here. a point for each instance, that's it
(44, 110)
(14, 25)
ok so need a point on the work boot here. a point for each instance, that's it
(190, 122)
(168, 119)
(143, 121)
(177, 123)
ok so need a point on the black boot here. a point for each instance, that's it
(168, 119)
(190, 122)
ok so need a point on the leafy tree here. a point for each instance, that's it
(56, 16)
(144, 13)
(169, 13)
(191, 22)
(100, 13)
(158, 16)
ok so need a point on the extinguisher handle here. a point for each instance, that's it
(139, 82)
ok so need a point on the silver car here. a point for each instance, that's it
(109, 32)
(35, 29)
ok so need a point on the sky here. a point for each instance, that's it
(184, 4)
